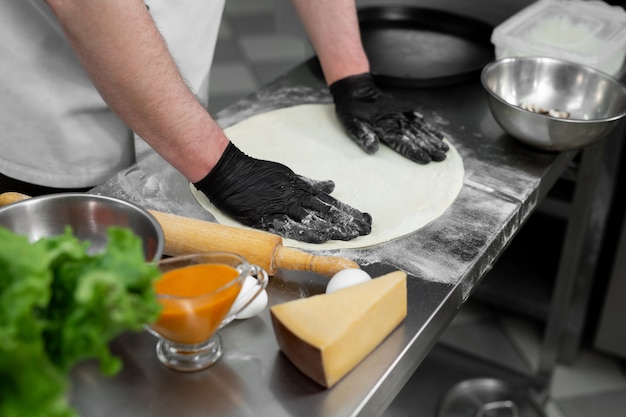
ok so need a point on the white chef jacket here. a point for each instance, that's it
(55, 129)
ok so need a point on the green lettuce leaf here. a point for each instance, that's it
(60, 305)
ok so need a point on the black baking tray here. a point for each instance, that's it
(419, 47)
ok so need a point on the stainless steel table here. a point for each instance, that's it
(504, 182)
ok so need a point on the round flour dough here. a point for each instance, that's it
(401, 196)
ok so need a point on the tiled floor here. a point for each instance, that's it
(594, 385)
(482, 342)
(252, 50)
(254, 47)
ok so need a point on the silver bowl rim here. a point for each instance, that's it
(587, 68)
(160, 236)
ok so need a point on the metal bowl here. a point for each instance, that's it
(89, 216)
(483, 397)
(595, 101)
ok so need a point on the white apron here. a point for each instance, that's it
(55, 129)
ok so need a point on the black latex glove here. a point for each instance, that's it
(269, 196)
(370, 116)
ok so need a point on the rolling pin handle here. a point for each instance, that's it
(11, 197)
(296, 260)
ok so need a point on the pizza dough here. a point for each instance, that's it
(401, 196)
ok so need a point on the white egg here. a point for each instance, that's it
(347, 278)
(256, 306)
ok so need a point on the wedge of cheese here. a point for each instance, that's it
(327, 335)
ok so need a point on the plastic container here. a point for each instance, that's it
(586, 32)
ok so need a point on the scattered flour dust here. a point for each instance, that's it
(401, 196)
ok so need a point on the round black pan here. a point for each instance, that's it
(419, 47)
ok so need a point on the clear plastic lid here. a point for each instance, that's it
(583, 31)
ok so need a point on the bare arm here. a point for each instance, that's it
(368, 115)
(128, 62)
(333, 29)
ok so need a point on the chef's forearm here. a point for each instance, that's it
(128, 62)
(333, 29)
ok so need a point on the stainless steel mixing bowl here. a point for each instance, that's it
(594, 100)
(90, 216)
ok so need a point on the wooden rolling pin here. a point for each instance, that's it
(184, 235)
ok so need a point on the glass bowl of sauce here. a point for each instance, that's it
(198, 293)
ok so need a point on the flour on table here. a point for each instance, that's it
(401, 196)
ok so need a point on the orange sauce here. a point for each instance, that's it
(198, 305)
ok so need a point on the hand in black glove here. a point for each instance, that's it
(269, 196)
(370, 116)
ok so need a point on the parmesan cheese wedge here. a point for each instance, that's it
(325, 336)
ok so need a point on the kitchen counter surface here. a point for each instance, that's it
(504, 182)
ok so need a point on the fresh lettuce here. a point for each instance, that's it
(60, 305)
